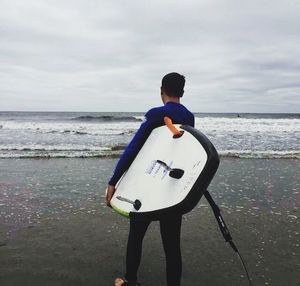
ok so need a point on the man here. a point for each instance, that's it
(172, 89)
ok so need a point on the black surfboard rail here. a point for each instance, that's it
(197, 191)
(199, 187)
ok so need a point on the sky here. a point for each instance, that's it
(110, 55)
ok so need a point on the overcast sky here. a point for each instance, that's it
(107, 55)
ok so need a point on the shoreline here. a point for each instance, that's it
(261, 155)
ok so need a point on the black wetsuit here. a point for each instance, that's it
(169, 226)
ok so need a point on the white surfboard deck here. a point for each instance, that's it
(147, 181)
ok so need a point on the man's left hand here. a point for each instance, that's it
(109, 193)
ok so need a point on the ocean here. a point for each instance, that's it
(55, 227)
(102, 134)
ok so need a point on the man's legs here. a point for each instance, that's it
(170, 233)
(134, 248)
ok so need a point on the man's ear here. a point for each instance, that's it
(162, 95)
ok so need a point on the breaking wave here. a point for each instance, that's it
(116, 150)
(107, 118)
(267, 154)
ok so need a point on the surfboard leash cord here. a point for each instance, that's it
(225, 232)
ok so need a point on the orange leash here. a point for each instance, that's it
(176, 133)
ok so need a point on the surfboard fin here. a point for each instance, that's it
(173, 172)
(176, 173)
(136, 204)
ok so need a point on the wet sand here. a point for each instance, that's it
(56, 230)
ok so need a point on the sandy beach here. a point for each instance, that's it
(56, 230)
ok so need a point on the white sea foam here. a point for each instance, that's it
(61, 136)
(248, 124)
(65, 127)
(85, 152)
(266, 154)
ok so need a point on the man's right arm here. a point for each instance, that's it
(133, 147)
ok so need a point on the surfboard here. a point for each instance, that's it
(168, 176)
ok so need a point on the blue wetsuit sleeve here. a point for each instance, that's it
(132, 148)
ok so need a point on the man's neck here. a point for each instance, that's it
(172, 99)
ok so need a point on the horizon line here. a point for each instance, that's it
(205, 112)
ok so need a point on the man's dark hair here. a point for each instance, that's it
(173, 84)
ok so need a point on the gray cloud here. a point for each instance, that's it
(110, 55)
